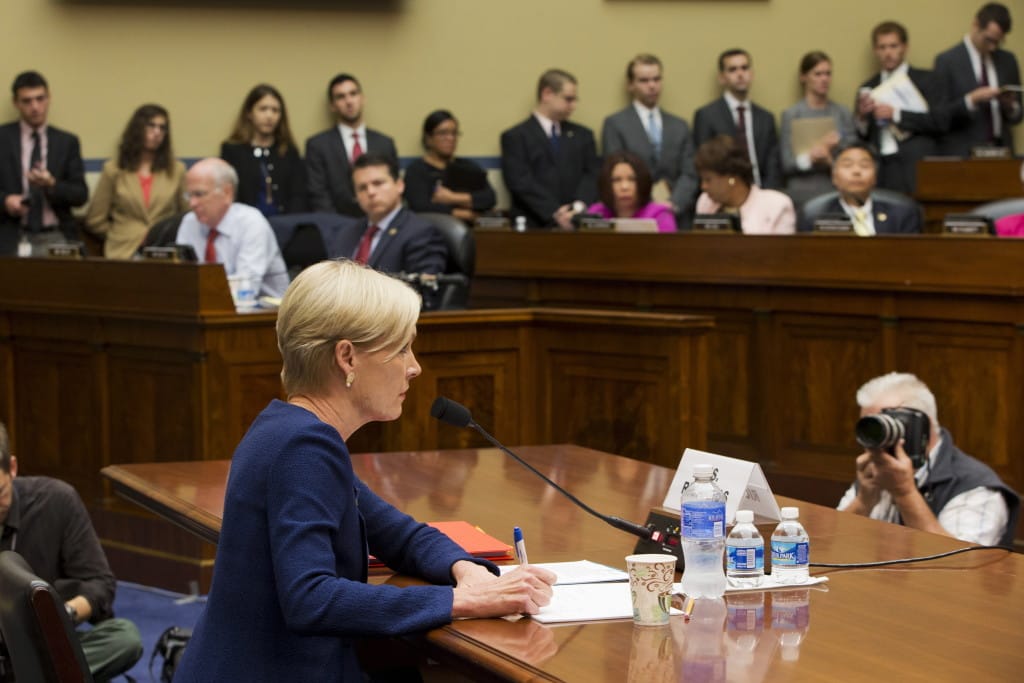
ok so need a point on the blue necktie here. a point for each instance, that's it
(554, 139)
(654, 132)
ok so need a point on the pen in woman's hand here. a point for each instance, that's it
(520, 545)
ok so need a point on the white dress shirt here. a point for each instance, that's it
(748, 120)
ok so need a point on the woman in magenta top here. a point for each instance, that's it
(1012, 226)
(625, 190)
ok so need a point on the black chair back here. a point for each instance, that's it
(458, 237)
(305, 238)
(38, 633)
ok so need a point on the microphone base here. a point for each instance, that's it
(666, 537)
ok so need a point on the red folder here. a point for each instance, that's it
(472, 539)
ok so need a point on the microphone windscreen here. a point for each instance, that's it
(450, 412)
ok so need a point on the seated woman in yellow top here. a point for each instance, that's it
(145, 184)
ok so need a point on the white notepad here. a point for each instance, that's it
(581, 571)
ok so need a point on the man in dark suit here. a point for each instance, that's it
(901, 136)
(662, 140)
(854, 173)
(330, 154)
(736, 115)
(549, 163)
(974, 74)
(41, 173)
(390, 239)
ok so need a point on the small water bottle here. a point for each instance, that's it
(744, 550)
(703, 527)
(790, 549)
(520, 223)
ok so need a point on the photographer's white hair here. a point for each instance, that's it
(910, 391)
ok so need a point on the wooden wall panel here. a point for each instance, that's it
(968, 368)
(731, 406)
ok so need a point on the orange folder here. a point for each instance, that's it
(472, 539)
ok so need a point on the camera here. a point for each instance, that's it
(884, 430)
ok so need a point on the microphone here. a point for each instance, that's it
(432, 281)
(458, 415)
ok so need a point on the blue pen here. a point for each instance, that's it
(520, 545)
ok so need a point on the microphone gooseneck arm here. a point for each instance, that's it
(457, 415)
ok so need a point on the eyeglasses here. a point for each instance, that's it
(198, 194)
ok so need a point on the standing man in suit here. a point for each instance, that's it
(331, 154)
(41, 172)
(735, 114)
(391, 238)
(902, 137)
(854, 173)
(974, 73)
(662, 140)
(549, 163)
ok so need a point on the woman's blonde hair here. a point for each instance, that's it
(335, 300)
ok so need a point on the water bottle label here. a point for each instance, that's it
(742, 559)
(789, 553)
(704, 519)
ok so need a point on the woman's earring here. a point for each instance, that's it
(349, 379)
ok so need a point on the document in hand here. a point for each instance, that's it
(900, 92)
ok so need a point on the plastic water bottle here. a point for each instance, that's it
(790, 549)
(703, 514)
(744, 549)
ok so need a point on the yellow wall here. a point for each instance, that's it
(479, 58)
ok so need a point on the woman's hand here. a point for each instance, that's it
(522, 591)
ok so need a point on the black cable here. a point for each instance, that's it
(907, 560)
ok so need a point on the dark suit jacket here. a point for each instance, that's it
(890, 218)
(538, 181)
(624, 130)
(63, 160)
(330, 175)
(715, 119)
(967, 128)
(925, 130)
(409, 245)
(288, 176)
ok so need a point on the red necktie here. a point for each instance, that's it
(357, 150)
(986, 108)
(741, 128)
(211, 252)
(363, 252)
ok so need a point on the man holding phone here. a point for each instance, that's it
(948, 492)
(41, 173)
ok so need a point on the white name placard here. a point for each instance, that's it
(743, 481)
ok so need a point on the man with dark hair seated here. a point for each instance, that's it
(854, 172)
(44, 521)
(391, 238)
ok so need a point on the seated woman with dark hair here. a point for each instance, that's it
(271, 174)
(440, 182)
(143, 186)
(625, 190)
(727, 181)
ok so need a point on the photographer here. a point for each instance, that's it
(947, 492)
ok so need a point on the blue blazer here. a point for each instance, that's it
(289, 596)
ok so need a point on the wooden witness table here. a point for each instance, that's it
(952, 619)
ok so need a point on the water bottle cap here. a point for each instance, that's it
(790, 513)
(703, 470)
(744, 516)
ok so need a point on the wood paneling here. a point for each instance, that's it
(949, 185)
(100, 381)
(801, 322)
